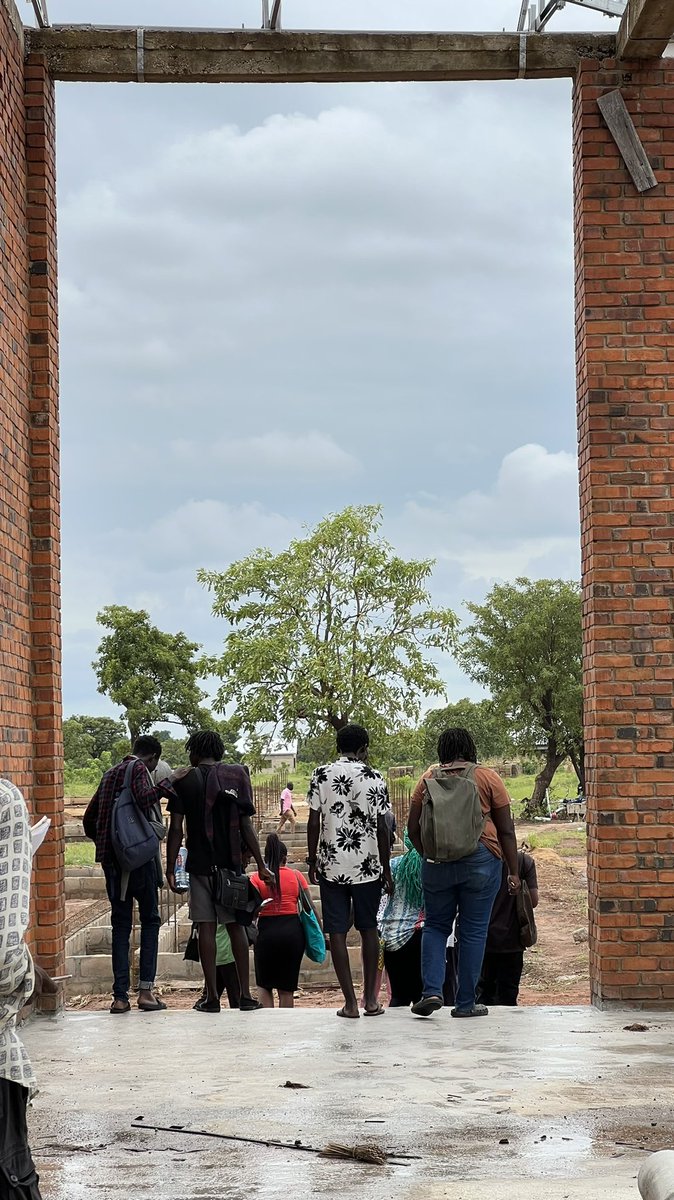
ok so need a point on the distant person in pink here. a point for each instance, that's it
(288, 813)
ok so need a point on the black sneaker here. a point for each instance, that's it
(426, 1006)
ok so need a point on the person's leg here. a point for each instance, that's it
(121, 917)
(207, 959)
(266, 997)
(488, 985)
(227, 978)
(241, 951)
(480, 879)
(16, 1162)
(440, 896)
(286, 999)
(336, 907)
(370, 941)
(510, 974)
(450, 984)
(282, 820)
(143, 885)
(366, 898)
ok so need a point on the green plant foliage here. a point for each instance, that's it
(481, 718)
(524, 645)
(149, 674)
(334, 629)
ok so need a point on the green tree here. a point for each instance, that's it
(256, 754)
(525, 646)
(481, 718)
(105, 732)
(402, 748)
(149, 674)
(78, 745)
(333, 629)
(317, 749)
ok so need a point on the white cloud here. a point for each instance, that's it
(291, 455)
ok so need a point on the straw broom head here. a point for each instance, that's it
(367, 1153)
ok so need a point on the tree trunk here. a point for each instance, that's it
(134, 731)
(553, 760)
(577, 756)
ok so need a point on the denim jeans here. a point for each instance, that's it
(143, 889)
(467, 887)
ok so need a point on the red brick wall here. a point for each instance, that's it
(625, 365)
(30, 657)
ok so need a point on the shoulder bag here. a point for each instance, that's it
(313, 934)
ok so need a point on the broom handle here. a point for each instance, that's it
(225, 1137)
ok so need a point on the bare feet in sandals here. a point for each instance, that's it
(350, 1013)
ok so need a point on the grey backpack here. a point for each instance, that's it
(452, 821)
(135, 838)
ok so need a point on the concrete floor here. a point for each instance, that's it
(564, 1086)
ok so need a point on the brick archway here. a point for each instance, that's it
(625, 352)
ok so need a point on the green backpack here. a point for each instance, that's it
(452, 821)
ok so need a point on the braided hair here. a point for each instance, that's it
(456, 745)
(275, 855)
(408, 875)
(206, 744)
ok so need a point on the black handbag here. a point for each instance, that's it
(229, 889)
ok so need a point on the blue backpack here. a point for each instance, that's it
(135, 838)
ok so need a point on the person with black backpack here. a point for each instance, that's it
(512, 929)
(123, 818)
(461, 824)
(215, 802)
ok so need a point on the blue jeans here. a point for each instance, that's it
(467, 887)
(142, 888)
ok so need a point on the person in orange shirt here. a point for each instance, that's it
(466, 886)
(280, 941)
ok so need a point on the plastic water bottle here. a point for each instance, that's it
(182, 878)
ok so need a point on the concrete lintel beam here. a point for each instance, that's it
(646, 28)
(125, 55)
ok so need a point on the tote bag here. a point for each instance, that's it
(313, 934)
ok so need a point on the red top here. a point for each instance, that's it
(284, 905)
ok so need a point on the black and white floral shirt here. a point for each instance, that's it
(349, 796)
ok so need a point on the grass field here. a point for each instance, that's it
(80, 854)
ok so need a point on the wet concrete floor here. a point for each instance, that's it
(558, 1102)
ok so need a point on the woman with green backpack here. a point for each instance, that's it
(461, 824)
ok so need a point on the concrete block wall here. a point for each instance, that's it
(30, 654)
(625, 366)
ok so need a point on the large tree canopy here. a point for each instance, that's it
(334, 629)
(525, 646)
(150, 674)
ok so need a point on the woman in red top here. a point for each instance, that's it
(280, 944)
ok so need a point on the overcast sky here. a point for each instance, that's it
(279, 300)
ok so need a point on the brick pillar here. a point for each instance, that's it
(49, 873)
(30, 656)
(625, 367)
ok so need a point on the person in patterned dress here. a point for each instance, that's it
(349, 857)
(18, 1178)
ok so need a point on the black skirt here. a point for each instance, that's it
(278, 953)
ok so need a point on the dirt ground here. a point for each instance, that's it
(555, 970)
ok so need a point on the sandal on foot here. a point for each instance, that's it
(250, 1005)
(374, 1012)
(478, 1010)
(427, 1005)
(117, 1011)
(341, 1012)
(158, 1006)
(207, 1006)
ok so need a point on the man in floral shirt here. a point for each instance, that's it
(349, 851)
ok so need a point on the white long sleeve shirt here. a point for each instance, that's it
(17, 976)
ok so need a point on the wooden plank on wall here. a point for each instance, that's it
(614, 111)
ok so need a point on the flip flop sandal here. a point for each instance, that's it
(116, 1012)
(426, 1006)
(158, 1006)
(341, 1012)
(478, 1010)
(374, 1012)
(208, 1006)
